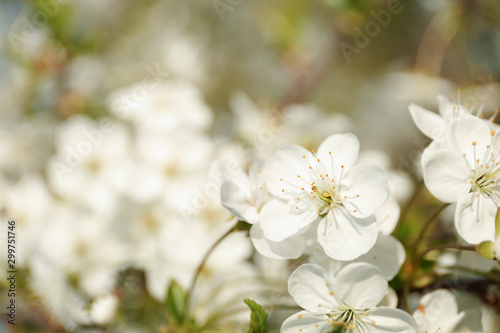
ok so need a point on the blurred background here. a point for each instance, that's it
(119, 120)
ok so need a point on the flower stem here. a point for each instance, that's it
(200, 268)
(406, 297)
(449, 246)
(427, 225)
(402, 218)
(220, 316)
(490, 276)
(413, 259)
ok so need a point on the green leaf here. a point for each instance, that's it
(242, 226)
(176, 301)
(258, 318)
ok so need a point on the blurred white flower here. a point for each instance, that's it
(59, 297)
(328, 187)
(217, 300)
(265, 130)
(65, 301)
(30, 204)
(191, 240)
(184, 58)
(103, 308)
(390, 94)
(349, 300)
(438, 312)
(83, 247)
(89, 153)
(163, 161)
(466, 172)
(400, 183)
(162, 106)
(490, 320)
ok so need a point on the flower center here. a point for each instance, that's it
(324, 192)
(474, 109)
(484, 173)
(329, 196)
(349, 318)
(484, 183)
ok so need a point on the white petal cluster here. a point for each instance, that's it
(461, 165)
(465, 172)
(438, 311)
(433, 125)
(349, 301)
(187, 166)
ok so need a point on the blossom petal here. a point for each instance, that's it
(431, 124)
(283, 167)
(345, 237)
(235, 199)
(342, 149)
(389, 320)
(306, 322)
(388, 216)
(470, 136)
(388, 254)
(475, 218)
(445, 175)
(467, 321)
(360, 285)
(279, 220)
(435, 310)
(446, 107)
(367, 189)
(390, 299)
(312, 288)
(290, 248)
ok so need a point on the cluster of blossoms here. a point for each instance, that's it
(157, 196)
(461, 165)
(336, 211)
(102, 207)
(93, 212)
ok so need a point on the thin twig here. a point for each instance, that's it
(426, 226)
(449, 246)
(200, 268)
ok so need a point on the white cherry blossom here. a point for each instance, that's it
(467, 172)
(433, 125)
(438, 312)
(325, 186)
(388, 254)
(244, 196)
(349, 300)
